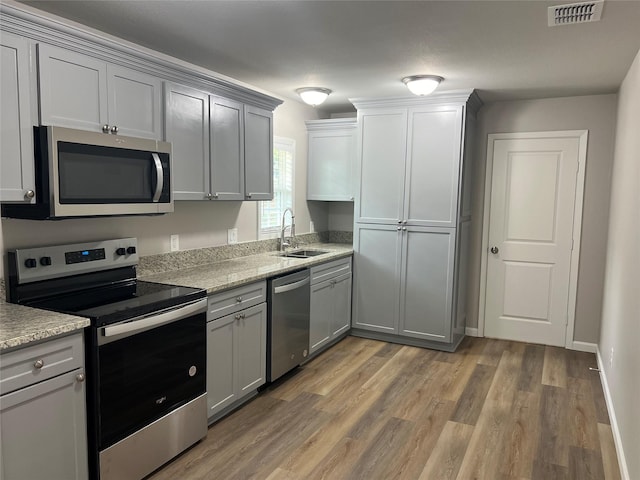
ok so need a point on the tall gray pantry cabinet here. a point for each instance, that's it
(413, 218)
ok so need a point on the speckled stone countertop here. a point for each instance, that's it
(218, 276)
(20, 325)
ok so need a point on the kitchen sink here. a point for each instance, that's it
(302, 253)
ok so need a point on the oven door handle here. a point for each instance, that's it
(159, 177)
(133, 327)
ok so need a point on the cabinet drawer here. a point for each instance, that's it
(236, 299)
(323, 272)
(31, 365)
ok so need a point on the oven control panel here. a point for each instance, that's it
(44, 263)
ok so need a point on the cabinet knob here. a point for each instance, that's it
(38, 364)
(404, 222)
(399, 222)
(398, 228)
(404, 229)
(249, 195)
(114, 129)
(80, 377)
(238, 299)
(215, 195)
(105, 128)
(29, 194)
(494, 250)
(237, 317)
(208, 195)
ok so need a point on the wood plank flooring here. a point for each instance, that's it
(494, 410)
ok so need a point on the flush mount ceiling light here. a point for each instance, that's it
(313, 95)
(422, 84)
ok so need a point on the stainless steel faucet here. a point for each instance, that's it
(292, 238)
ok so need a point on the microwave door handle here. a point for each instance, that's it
(159, 177)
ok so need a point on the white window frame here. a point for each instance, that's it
(287, 144)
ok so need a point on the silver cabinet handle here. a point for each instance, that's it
(494, 250)
(105, 128)
(399, 222)
(208, 196)
(215, 195)
(238, 299)
(398, 228)
(114, 129)
(404, 222)
(80, 377)
(29, 194)
(159, 177)
(38, 364)
(404, 229)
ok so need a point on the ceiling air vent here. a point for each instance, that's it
(571, 13)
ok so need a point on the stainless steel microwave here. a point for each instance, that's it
(88, 174)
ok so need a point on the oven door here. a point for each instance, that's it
(147, 367)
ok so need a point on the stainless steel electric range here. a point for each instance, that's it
(145, 350)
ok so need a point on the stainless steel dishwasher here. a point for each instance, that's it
(288, 326)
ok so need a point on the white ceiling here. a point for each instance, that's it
(363, 48)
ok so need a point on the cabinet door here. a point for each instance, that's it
(35, 443)
(377, 274)
(426, 291)
(134, 102)
(187, 128)
(382, 144)
(73, 89)
(433, 164)
(221, 365)
(321, 314)
(252, 348)
(16, 134)
(341, 320)
(330, 165)
(227, 149)
(258, 153)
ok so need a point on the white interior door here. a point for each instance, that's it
(528, 270)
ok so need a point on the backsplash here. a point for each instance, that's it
(167, 262)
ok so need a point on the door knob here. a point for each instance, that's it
(494, 250)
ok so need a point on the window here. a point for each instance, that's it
(270, 213)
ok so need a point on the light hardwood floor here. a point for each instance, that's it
(494, 410)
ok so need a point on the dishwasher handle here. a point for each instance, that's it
(291, 286)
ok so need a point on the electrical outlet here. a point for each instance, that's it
(232, 236)
(611, 358)
(175, 243)
(312, 227)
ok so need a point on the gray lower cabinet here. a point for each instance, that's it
(236, 346)
(43, 422)
(17, 183)
(404, 281)
(330, 314)
(222, 149)
(79, 91)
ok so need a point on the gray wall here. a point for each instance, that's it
(199, 224)
(620, 331)
(595, 113)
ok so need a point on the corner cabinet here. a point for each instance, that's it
(36, 381)
(330, 315)
(17, 183)
(222, 149)
(331, 159)
(79, 91)
(236, 347)
(412, 218)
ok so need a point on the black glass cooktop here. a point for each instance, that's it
(114, 303)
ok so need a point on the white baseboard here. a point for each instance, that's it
(471, 331)
(617, 440)
(584, 346)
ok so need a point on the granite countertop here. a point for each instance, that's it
(20, 325)
(218, 276)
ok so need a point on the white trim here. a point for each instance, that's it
(583, 346)
(471, 332)
(577, 221)
(617, 439)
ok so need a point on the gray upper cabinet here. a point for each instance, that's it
(227, 149)
(79, 91)
(222, 149)
(187, 128)
(17, 182)
(331, 159)
(258, 153)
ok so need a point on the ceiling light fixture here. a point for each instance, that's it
(422, 84)
(313, 95)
